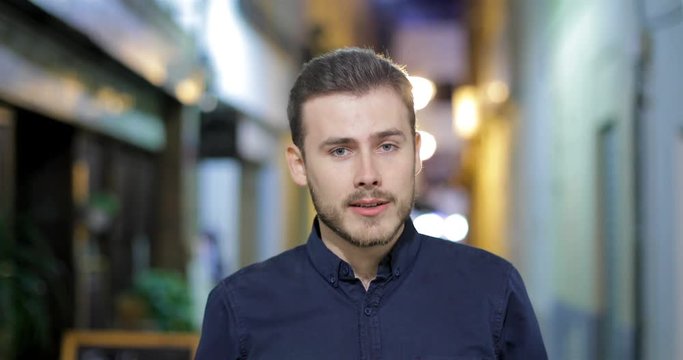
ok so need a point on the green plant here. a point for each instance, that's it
(29, 288)
(167, 298)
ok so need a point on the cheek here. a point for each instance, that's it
(405, 182)
(329, 183)
(401, 182)
(399, 172)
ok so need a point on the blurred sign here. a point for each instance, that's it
(69, 97)
(106, 345)
(52, 70)
(138, 34)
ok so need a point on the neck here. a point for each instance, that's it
(363, 261)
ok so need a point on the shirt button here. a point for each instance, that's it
(397, 272)
(367, 311)
(345, 270)
(332, 279)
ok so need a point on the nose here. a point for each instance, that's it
(367, 174)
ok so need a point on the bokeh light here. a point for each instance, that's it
(427, 146)
(423, 91)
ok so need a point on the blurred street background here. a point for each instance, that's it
(142, 155)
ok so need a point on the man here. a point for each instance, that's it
(366, 285)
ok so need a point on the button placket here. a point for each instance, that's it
(372, 300)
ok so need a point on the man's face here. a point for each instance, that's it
(359, 164)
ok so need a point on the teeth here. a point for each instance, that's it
(368, 205)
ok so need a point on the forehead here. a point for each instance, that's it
(354, 115)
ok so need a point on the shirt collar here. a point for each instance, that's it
(398, 262)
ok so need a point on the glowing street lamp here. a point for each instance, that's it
(466, 116)
(427, 145)
(423, 91)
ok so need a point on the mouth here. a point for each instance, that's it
(369, 207)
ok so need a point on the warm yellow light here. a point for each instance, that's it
(80, 183)
(188, 91)
(423, 91)
(427, 145)
(465, 111)
(497, 92)
(113, 101)
(154, 71)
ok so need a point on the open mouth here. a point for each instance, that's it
(368, 203)
(369, 207)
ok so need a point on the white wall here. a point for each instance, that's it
(661, 132)
(575, 77)
(251, 74)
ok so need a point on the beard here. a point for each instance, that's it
(371, 232)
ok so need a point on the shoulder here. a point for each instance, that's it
(281, 265)
(461, 252)
(465, 260)
(263, 278)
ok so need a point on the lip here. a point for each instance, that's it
(359, 208)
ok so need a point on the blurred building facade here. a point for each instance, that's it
(591, 167)
(136, 136)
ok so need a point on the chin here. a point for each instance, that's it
(368, 243)
(375, 233)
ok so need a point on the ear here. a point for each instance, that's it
(297, 167)
(418, 161)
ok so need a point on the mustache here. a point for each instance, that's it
(375, 193)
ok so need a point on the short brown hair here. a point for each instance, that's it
(348, 70)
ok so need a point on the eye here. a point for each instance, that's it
(388, 147)
(340, 152)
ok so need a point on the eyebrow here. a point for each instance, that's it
(378, 136)
(336, 141)
(389, 133)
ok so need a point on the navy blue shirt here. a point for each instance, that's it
(432, 299)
